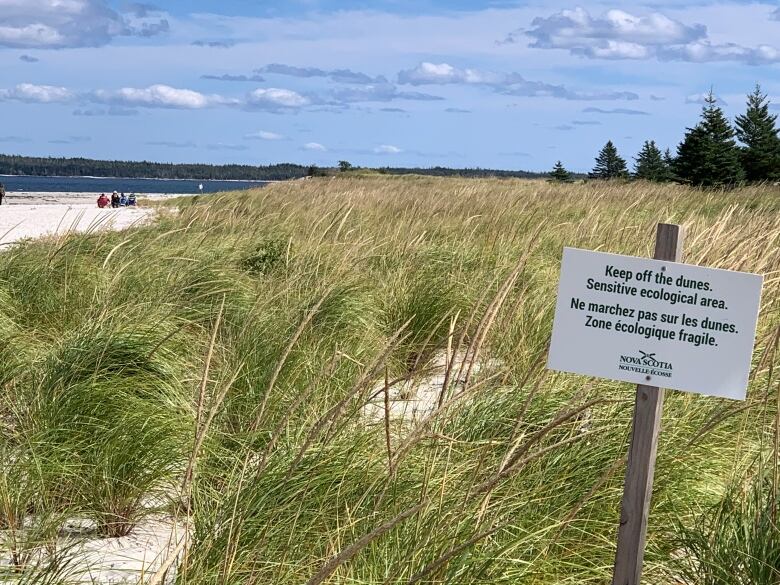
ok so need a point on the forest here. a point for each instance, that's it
(83, 167)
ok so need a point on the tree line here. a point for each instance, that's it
(344, 166)
(82, 167)
(708, 156)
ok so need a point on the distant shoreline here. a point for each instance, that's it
(148, 178)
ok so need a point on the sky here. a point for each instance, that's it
(493, 84)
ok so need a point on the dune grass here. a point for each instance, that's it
(214, 366)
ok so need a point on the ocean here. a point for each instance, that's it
(14, 184)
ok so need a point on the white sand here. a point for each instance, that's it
(31, 221)
(59, 198)
(412, 401)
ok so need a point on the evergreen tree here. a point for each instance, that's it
(708, 155)
(650, 164)
(609, 164)
(669, 162)
(757, 131)
(559, 173)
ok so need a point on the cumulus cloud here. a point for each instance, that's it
(275, 99)
(618, 34)
(704, 52)
(387, 149)
(622, 111)
(443, 73)
(160, 96)
(41, 94)
(263, 135)
(124, 101)
(56, 24)
(28, 59)
(506, 83)
(229, 77)
(314, 146)
(337, 75)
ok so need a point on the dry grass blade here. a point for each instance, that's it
(345, 555)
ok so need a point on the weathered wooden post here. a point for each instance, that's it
(638, 488)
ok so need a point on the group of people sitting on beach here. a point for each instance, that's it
(116, 200)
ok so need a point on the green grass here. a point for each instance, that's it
(214, 365)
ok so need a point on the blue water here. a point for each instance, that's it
(103, 185)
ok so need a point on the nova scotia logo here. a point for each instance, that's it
(646, 363)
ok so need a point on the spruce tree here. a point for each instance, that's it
(669, 163)
(756, 129)
(708, 155)
(609, 164)
(560, 174)
(650, 164)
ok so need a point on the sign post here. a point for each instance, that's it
(638, 487)
(657, 323)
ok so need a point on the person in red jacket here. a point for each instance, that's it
(103, 201)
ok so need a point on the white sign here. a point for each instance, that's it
(657, 323)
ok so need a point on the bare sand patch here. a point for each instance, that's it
(18, 222)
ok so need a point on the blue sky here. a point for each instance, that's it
(500, 84)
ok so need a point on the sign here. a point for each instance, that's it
(655, 323)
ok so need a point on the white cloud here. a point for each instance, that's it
(703, 52)
(443, 73)
(263, 135)
(274, 98)
(621, 35)
(55, 24)
(387, 149)
(41, 94)
(506, 83)
(578, 31)
(161, 96)
(314, 146)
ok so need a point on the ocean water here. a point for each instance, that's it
(107, 185)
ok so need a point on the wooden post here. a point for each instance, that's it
(638, 488)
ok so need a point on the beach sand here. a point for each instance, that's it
(35, 215)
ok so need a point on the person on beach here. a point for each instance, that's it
(103, 201)
(2, 193)
(131, 201)
(115, 200)
(123, 200)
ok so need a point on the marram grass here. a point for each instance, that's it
(213, 366)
